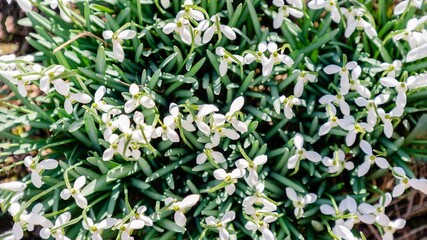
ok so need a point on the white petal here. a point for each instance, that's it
(107, 34)
(363, 169)
(382, 162)
(332, 69)
(313, 156)
(118, 51)
(81, 201)
(68, 106)
(13, 186)
(278, 20)
(17, 231)
(389, 82)
(223, 67)
(228, 32)
(220, 174)
(65, 194)
(327, 209)
(127, 34)
(298, 141)
(36, 179)
(419, 184)
(325, 128)
(80, 182)
(366, 147)
(168, 28)
(398, 190)
(236, 105)
(292, 195)
(400, 7)
(26, 6)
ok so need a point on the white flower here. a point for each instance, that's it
(231, 117)
(391, 226)
(208, 152)
(139, 215)
(288, 103)
(167, 130)
(415, 39)
(229, 179)
(49, 76)
(418, 52)
(25, 5)
(303, 78)
(355, 21)
(38, 167)
(58, 234)
(117, 39)
(386, 119)
(300, 202)
(75, 192)
(64, 9)
(259, 56)
(405, 182)
(275, 58)
(109, 123)
(220, 130)
(329, 5)
(96, 229)
(117, 145)
(301, 153)
(258, 198)
(401, 6)
(180, 207)
(252, 167)
(189, 12)
(337, 163)
(338, 100)
(181, 27)
(28, 220)
(197, 32)
(285, 11)
(137, 99)
(13, 186)
(392, 68)
(370, 159)
(98, 103)
(344, 73)
(379, 208)
(127, 228)
(400, 87)
(343, 229)
(204, 110)
(20, 80)
(186, 123)
(221, 224)
(372, 106)
(62, 87)
(355, 84)
(261, 223)
(218, 28)
(226, 58)
(354, 128)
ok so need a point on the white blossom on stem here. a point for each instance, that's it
(401, 6)
(400, 87)
(344, 73)
(405, 182)
(285, 11)
(301, 153)
(117, 39)
(137, 99)
(180, 207)
(258, 198)
(190, 13)
(302, 79)
(37, 168)
(221, 224)
(355, 84)
(390, 227)
(218, 28)
(338, 100)
(274, 59)
(229, 179)
(252, 167)
(287, 103)
(329, 5)
(58, 233)
(300, 202)
(181, 27)
(28, 220)
(218, 157)
(392, 68)
(370, 159)
(354, 128)
(140, 215)
(49, 76)
(167, 130)
(226, 59)
(372, 106)
(355, 21)
(75, 192)
(337, 163)
(261, 223)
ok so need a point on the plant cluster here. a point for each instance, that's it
(203, 119)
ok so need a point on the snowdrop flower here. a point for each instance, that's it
(28, 220)
(343, 229)
(355, 21)
(231, 117)
(64, 9)
(415, 39)
(167, 130)
(344, 73)
(221, 224)
(226, 58)
(117, 39)
(63, 89)
(301, 153)
(401, 7)
(391, 226)
(338, 163)
(288, 103)
(62, 219)
(351, 205)
(379, 208)
(354, 128)
(140, 215)
(98, 104)
(405, 182)
(261, 223)
(386, 118)
(204, 110)
(218, 28)
(303, 78)
(258, 198)
(338, 100)
(49, 76)
(96, 229)
(197, 31)
(75, 192)
(259, 55)
(220, 130)
(392, 68)
(208, 152)
(13, 186)
(109, 123)
(181, 27)
(37, 168)
(180, 207)
(328, 5)
(285, 11)
(275, 58)
(372, 106)
(370, 159)
(137, 99)
(300, 202)
(229, 179)
(401, 88)
(252, 167)
(189, 12)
